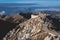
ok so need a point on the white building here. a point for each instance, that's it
(34, 16)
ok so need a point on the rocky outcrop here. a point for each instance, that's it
(7, 23)
(32, 29)
(15, 18)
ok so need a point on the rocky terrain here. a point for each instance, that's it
(7, 23)
(24, 27)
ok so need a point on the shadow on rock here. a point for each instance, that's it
(5, 27)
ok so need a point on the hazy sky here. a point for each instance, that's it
(40, 2)
(16, 1)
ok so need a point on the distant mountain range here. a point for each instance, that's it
(11, 8)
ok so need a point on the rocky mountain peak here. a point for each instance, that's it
(32, 29)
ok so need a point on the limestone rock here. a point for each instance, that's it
(32, 29)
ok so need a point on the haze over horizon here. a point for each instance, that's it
(45, 3)
(17, 6)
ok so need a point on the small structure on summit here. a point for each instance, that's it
(34, 15)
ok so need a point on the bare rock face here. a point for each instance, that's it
(15, 18)
(8, 23)
(32, 29)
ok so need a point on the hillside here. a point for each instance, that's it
(33, 29)
(8, 23)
